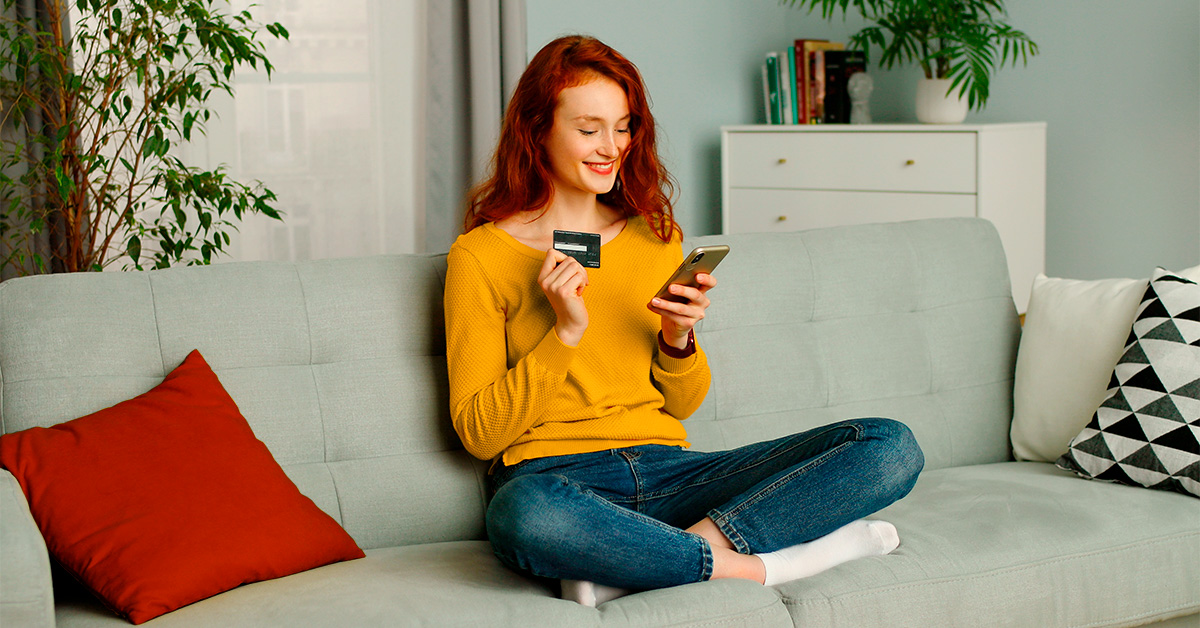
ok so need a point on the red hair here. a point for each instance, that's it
(520, 178)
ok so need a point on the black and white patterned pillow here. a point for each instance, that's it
(1147, 431)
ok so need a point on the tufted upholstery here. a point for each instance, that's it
(339, 365)
(912, 321)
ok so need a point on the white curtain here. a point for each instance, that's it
(378, 117)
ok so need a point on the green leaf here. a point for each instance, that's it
(939, 35)
(134, 249)
(65, 184)
(137, 45)
(270, 212)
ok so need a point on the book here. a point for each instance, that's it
(800, 52)
(773, 87)
(766, 82)
(813, 104)
(818, 88)
(786, 87)
(791, 81)
(839, 66)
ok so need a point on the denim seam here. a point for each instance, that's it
(604, 500)
(630, 461)
(707, 558)
(724, 520)
(730, 532)
(706, 568)
(762, 494)
(679, 489)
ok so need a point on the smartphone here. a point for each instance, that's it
(702, 259)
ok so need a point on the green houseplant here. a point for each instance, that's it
(95, 94)
(958, 42)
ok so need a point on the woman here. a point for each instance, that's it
(575, 386)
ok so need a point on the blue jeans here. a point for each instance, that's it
(616, 517)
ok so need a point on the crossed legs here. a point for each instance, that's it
(785, 509)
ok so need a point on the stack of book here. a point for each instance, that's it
(806, 84)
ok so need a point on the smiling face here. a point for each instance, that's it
(589, 137)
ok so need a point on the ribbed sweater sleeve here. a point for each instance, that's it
(683, 382)
(491, 406)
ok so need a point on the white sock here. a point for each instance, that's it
(590, 593)
(857, 539)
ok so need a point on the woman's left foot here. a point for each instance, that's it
(858, 539)
(590, 593)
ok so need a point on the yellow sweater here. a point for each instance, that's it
(518, 392)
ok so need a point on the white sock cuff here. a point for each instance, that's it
(854, 540)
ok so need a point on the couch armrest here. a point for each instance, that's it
(26, 595)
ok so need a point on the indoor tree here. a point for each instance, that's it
(962, 40)
(95, 95)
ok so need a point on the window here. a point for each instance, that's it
(335, 132)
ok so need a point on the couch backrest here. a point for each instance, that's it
(339, 365)
(912, 321)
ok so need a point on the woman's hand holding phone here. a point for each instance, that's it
(679, 318)
(563, 280)
(681, 301)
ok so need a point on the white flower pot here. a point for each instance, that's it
(935, 107)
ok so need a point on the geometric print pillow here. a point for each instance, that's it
(1147, 431)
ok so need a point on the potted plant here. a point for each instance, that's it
(95, 93)
(958, 43)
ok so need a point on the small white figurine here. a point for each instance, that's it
(860, 86)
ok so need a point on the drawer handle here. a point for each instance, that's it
(782, 160)
(782, 218)
(910, 162)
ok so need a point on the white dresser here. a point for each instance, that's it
(787, 178)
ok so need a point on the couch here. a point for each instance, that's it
(339, 367)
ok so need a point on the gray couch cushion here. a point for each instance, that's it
(446, 584)
(338, 365)
(26, 598)
(974, 539)
(912, 321)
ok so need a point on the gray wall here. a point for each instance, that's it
(1118, 84)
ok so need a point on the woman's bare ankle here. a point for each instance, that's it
(727, 562)
(730, 564)
(708, 529)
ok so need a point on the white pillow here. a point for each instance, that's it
(1074, 333)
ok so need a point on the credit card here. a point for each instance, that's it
(584, 247)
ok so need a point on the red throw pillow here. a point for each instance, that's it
(168, 498)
